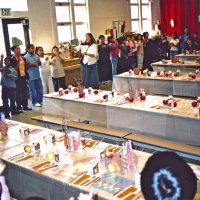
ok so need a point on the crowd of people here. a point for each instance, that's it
(115, 56)
(33, 74)
(100, 61)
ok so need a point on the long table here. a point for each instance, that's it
(149, 117)
(188, 66)
(32, 174)
(188, 57)
(180, 86)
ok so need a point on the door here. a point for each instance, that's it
(16, 32)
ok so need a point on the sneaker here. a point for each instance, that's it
(27, 108)
(37, 105)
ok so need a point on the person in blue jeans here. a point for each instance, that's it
(34, 82)
(89, 52)
(9, 76)
(114, 51)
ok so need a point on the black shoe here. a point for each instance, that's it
(17, 112)
(19, 108)
(27, 108)
(7, 116)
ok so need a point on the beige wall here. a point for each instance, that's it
(155, 11)
(42, 23)
(104, 12)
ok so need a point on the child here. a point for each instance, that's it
(34, 82)
(58, 73)
(140, 51)
(114, 50)
(174, 42)
(9, 76)
(45, 71)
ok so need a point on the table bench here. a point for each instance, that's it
(139, 140)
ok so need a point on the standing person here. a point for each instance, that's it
(131, 44)
(196, 41)
(189, 46)
(164, 47)
(34, 82)
(19, 63)
(114, 51)
(45, 71)
(140, 51)
(123, 64)
(174, 43)
(148, 52)
(89, 54)
(57, 73)
(9, 76)
(134, 50)
(184, 38)
(103, 63)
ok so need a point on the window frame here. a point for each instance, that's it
(140, 18)
(72, 22)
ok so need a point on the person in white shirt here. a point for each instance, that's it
(45, 71)
(88, 59)
(174, 42)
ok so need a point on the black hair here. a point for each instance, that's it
(175, 34)
(28, 46)
(110, 39)
(189, 38)
(7, 58)
(54, 47)
(139, 35)
(14, 47)
(167, 176)
(91, 37)
(37, 48)
(145, 33)
(101, 36)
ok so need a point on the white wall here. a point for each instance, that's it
(41, 16)
(42, 23)
(104, 12)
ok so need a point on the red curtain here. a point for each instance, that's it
(184, 13)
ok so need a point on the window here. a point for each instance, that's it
(72, 19)
(140, 15)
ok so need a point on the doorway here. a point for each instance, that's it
(16, 32)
